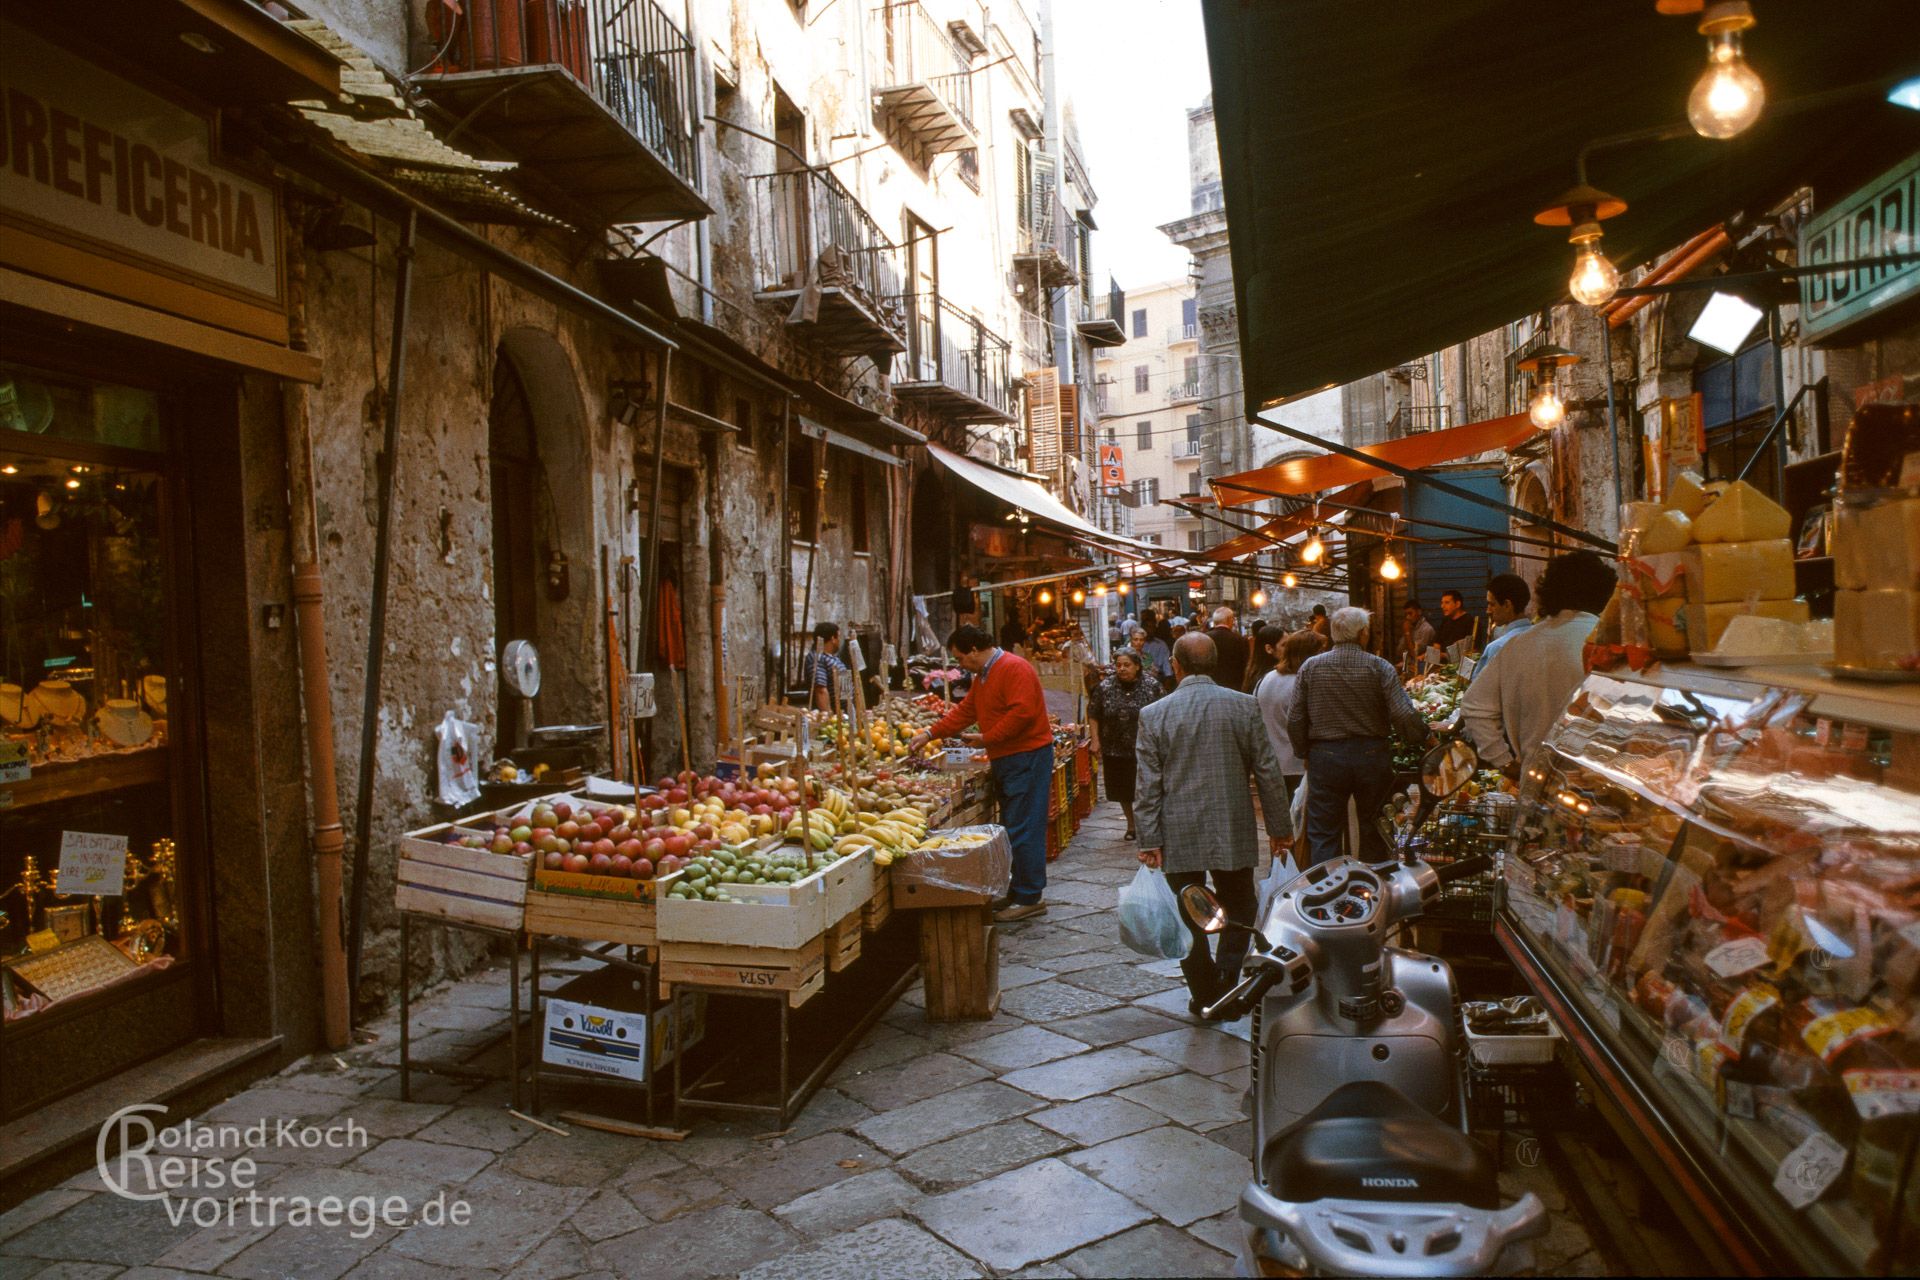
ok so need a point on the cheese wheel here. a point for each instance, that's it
(1668, 531)
(1688, 495)
(1719, 615)
(1876, 629)
(1738, 570)
(1742, 514)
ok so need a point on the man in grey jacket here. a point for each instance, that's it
(1196, 749)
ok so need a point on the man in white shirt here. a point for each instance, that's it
(1510, 711)
(1507, 598)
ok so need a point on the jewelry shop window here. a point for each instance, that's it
(90, 894)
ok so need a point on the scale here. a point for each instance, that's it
(520, 668)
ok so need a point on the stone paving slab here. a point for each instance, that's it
(1019, 975)
(1124, 979)
(1198, 1049)
(947, 1116)
(1194, 1101)
(889, 1248)
(908, 1082)
(779, 1172)
(960, 1161)
(1092, 1121)
(1024, 1047)
(1177, 1174)
(1049, 1002)
(1102, 1071)
(845, 1205)
(1153, 1250)
(1037, 1212)
(432, 1161)
(723, 1241)
(101, 1228)
(1116, 1026)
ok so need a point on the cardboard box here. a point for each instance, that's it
(963, 877)
(598, 1023)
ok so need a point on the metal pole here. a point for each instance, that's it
(650, 588)
(377, 615)
(1613, 420)
(1325, 505)
(1412, 476)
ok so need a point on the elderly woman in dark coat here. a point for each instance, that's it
(1115, 712)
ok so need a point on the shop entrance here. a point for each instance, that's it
(541, 488)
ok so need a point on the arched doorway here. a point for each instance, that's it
(542, 546)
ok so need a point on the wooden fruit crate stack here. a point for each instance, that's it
(952, 894)
(462, 885)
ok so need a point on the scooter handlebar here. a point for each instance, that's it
(1235, 1004)
(1462, 869)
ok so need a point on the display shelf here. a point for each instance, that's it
(1709, 885)
(71, 780)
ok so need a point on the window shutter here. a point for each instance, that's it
(1043, 422)
(1070, 420)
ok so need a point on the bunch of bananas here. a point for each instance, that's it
(818, 826)
(887, 834)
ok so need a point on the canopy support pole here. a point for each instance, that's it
(1411, 476)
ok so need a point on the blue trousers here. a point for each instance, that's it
(1360, 769)
(1023, 780)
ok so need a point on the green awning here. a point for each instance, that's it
(1382, 164)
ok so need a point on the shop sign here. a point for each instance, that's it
(93, 162)
(92, 863)
(1880, 219)
(1113, 470)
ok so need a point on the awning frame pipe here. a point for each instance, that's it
(1412, 476)
(1492, 534)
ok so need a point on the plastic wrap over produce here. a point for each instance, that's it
(964, 859)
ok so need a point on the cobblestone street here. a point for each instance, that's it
(1090, 1129)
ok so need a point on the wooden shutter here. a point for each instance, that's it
(1043, 422)
(1070, 420)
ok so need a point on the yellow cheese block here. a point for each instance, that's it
(1688, 494)
(1741, 514)
(1876, 629)
(1883, 550)
(1668, 531)
(1737, 570)
(1666, 634)
(1637, 515)
(1852, 545)
(1719, 615)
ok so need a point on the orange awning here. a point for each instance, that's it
(1280, 528)
(1328, 471)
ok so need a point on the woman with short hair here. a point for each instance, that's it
(1115, 712)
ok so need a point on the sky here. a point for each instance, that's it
(1132, 69)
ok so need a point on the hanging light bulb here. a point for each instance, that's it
(9, 470)
(1100, 588)
(1728, 97)
(1546, 407)
(1595, 279)
(1046, 596)
(1314, 550)
(1290, 582)
(1079, 596)
(1259, 598)
(1390, 570)
(1125, 588)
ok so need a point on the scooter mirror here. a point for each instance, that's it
(1203, 908)
(1448, 767)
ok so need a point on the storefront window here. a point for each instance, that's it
(85, 784)
(1736, 408)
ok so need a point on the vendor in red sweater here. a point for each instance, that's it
(1010, 707)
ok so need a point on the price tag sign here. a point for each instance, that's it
(92, 864)
(1809, 1169)
(1742, 955)
(640, 696)
(13, 762)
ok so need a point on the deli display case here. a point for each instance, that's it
(1714, 883)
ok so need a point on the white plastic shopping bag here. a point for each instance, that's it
(1150, 920)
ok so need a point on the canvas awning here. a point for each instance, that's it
(1327, 471)
(1381, 176)
(1034, 500)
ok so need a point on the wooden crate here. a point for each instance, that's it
(843, 941)
(468, 886)
(783, 917)
(569, 915)
(799, 972)
(879, 908)
(849, 883)
(960, 962)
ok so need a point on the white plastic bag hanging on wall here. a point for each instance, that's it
(459, 779)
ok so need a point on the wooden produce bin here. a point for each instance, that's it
(594, 908)
(466, 886)
(771, 940)
(960, 963)
(800, 972)
(879, 906)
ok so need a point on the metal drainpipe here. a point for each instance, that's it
(377, 618)
(316, 691)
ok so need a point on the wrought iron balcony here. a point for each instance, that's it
(953, 364)
(1183, 391)
(1187, 449)
(593, 98)
(1101, 323)
(1043, 252)
(827, 256)
(1178, 333)
(1410, 420)
(924, 87)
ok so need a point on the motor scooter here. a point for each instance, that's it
(1361, 1160)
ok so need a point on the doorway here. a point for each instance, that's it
(513, 465)
(923, 284)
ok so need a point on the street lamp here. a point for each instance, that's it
(1290, 581)
(1728, 97)
(1546, 407)
(1595, 279)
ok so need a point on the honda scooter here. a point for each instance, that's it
(1361, 1160)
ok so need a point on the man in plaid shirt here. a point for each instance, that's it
(1344, 704)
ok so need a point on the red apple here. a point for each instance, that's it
(620, 833)
(568, 830)
(642, 869)
(622, 865)
(522, 848)
(555, 862)
(537, 834)
(655, 848)
(631, 847)
(677, 795)
(600, 863)
(677, 844)
(562, 810)
(577, 862)
(760, 811)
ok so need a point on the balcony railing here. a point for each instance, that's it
(954, 364)
(1410, 420)
(1187, 449)
(1036, 345)
(1189, 332)
(594, 98)
(924, 85)
(1183, 391)
(1044, 247)
(819, 235)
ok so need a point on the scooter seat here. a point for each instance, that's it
(1369, 1141)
